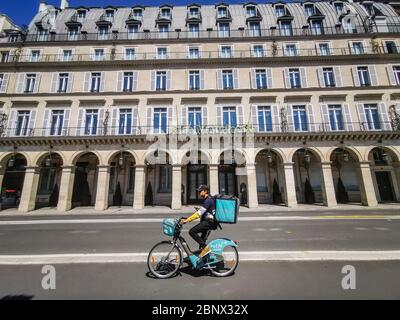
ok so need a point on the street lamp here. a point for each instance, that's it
(307, 157)
(11, 162)
(345, 156)
(269, 156)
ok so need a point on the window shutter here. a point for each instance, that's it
(37, 83)
(184, 116)
(219, 116)
(355, 76)
(253, 79)
(289, 111)
(269, 78)
(80, 123)
(86, 87)
(311, 119)
(338, 77)
(32, 120)
(102, 82)
(4, 83)
(153, 81)
(347, 118)
(204, 120)
(325, 118)
(384, 118)
(362, 117)
(372, 74)
(391, 75)
(202, 80)
(12, 120)
(240, 115)
(275, 119)
(120, 86)
(100, 125)
(114, 115)
(321, 77)
(219, 80)
(135, 119)
(254, 117)
(135, 80)
(20, 83)
(148, 121)
(70, 82)
(54, 81)
(168, 80)
(67, 113)
(303, 77)
(287, 79)
(170, 119)
(46, 123)
(235, 79)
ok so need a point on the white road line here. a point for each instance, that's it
(149, 220)
(244, 256)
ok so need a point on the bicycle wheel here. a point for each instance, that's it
(228, 262)
(164, 260)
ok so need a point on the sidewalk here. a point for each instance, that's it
(265, 210)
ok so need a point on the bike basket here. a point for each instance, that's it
(226, 210)
(169, 227)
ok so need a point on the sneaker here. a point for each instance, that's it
(205, 251)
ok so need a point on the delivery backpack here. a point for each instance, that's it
(226, 208)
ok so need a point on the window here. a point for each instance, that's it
(372, 117)
(35, 55)
(261, 79)
(194, 13)
(160, 120)
(4, 56)
(110, 15)
(349, 27)
(358, 48)
(47, 179)
(161, 81)
(279, 11)
(66, 55)
(290, 50)
(91, 121)
(30, 83)
(194, 53)
(329, 77)
(132, 30)
(162, 53)
(229, 117)
(95, 82)
(98, 55)
(300, 118)
(166, 13)
(165, 183)
(1, 82)
(223, 29)
(163, 29)
(258, 51)
(56, 122)
(251, 11)
(264, 119)
(130, 54)
(317, 27)
(391, 47)
(286, 28)
(324, 49)
(128, 82)
(73, 33)
(138, 14)
(222, 12)
(227, 79)
(13, 38)
(125, 121)
(363, 76)
(294, 78)
(309, 9)
(396, 70)
(22, 123)
(81, 15)
(339, 8)
(335, 117)
(255, 29)
(194, 117)
(42, 35)
(63, 82)
(194, 30)
(226, 52)
(131, 178)
(103, 33)
(194, 80)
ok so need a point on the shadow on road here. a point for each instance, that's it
(17, 297)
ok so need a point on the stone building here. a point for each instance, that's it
(103, 106)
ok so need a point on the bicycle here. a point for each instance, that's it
(166, 257)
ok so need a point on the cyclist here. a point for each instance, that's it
(207, 220)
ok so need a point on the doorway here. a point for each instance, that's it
(385, 186)
(227, 180)
(196, 176)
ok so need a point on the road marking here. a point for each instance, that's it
(149, 220)
(244, 256)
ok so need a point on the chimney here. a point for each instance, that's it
(64, 4)
(42, 6)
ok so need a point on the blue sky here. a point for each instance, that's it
(22, 11)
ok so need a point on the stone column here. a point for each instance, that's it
(328, 187)
(66, 188)
(252, 199)
(368, 196)
(396, 166)
(213, 183)
(176, 187)
(29, 189)
(290, 185)
(140, 185)
(103, 186)
(2, 171)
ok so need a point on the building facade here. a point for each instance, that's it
(278, 103)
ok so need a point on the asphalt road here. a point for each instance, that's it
(253, 280)
(270, 235)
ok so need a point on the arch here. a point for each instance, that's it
(277, 151)
(112, 155)
(75, 157)
(390, 149)
(315, 152)
(4, 158)
(43, 155)
(237, 151)
(152, 151)
(354, 152)
(204, 153)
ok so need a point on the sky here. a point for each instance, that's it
(22, 11)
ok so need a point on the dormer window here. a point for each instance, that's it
(317, 27)
(103, 33)
(251, 11)
(222, 12)
(339, 8)
(73, 33)
(165, 13)
(138, 14)
(194, 13)
(42, 35)
(110, 15)
(370, 8)
(81, 15)
(309, 9)
(280, 11)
